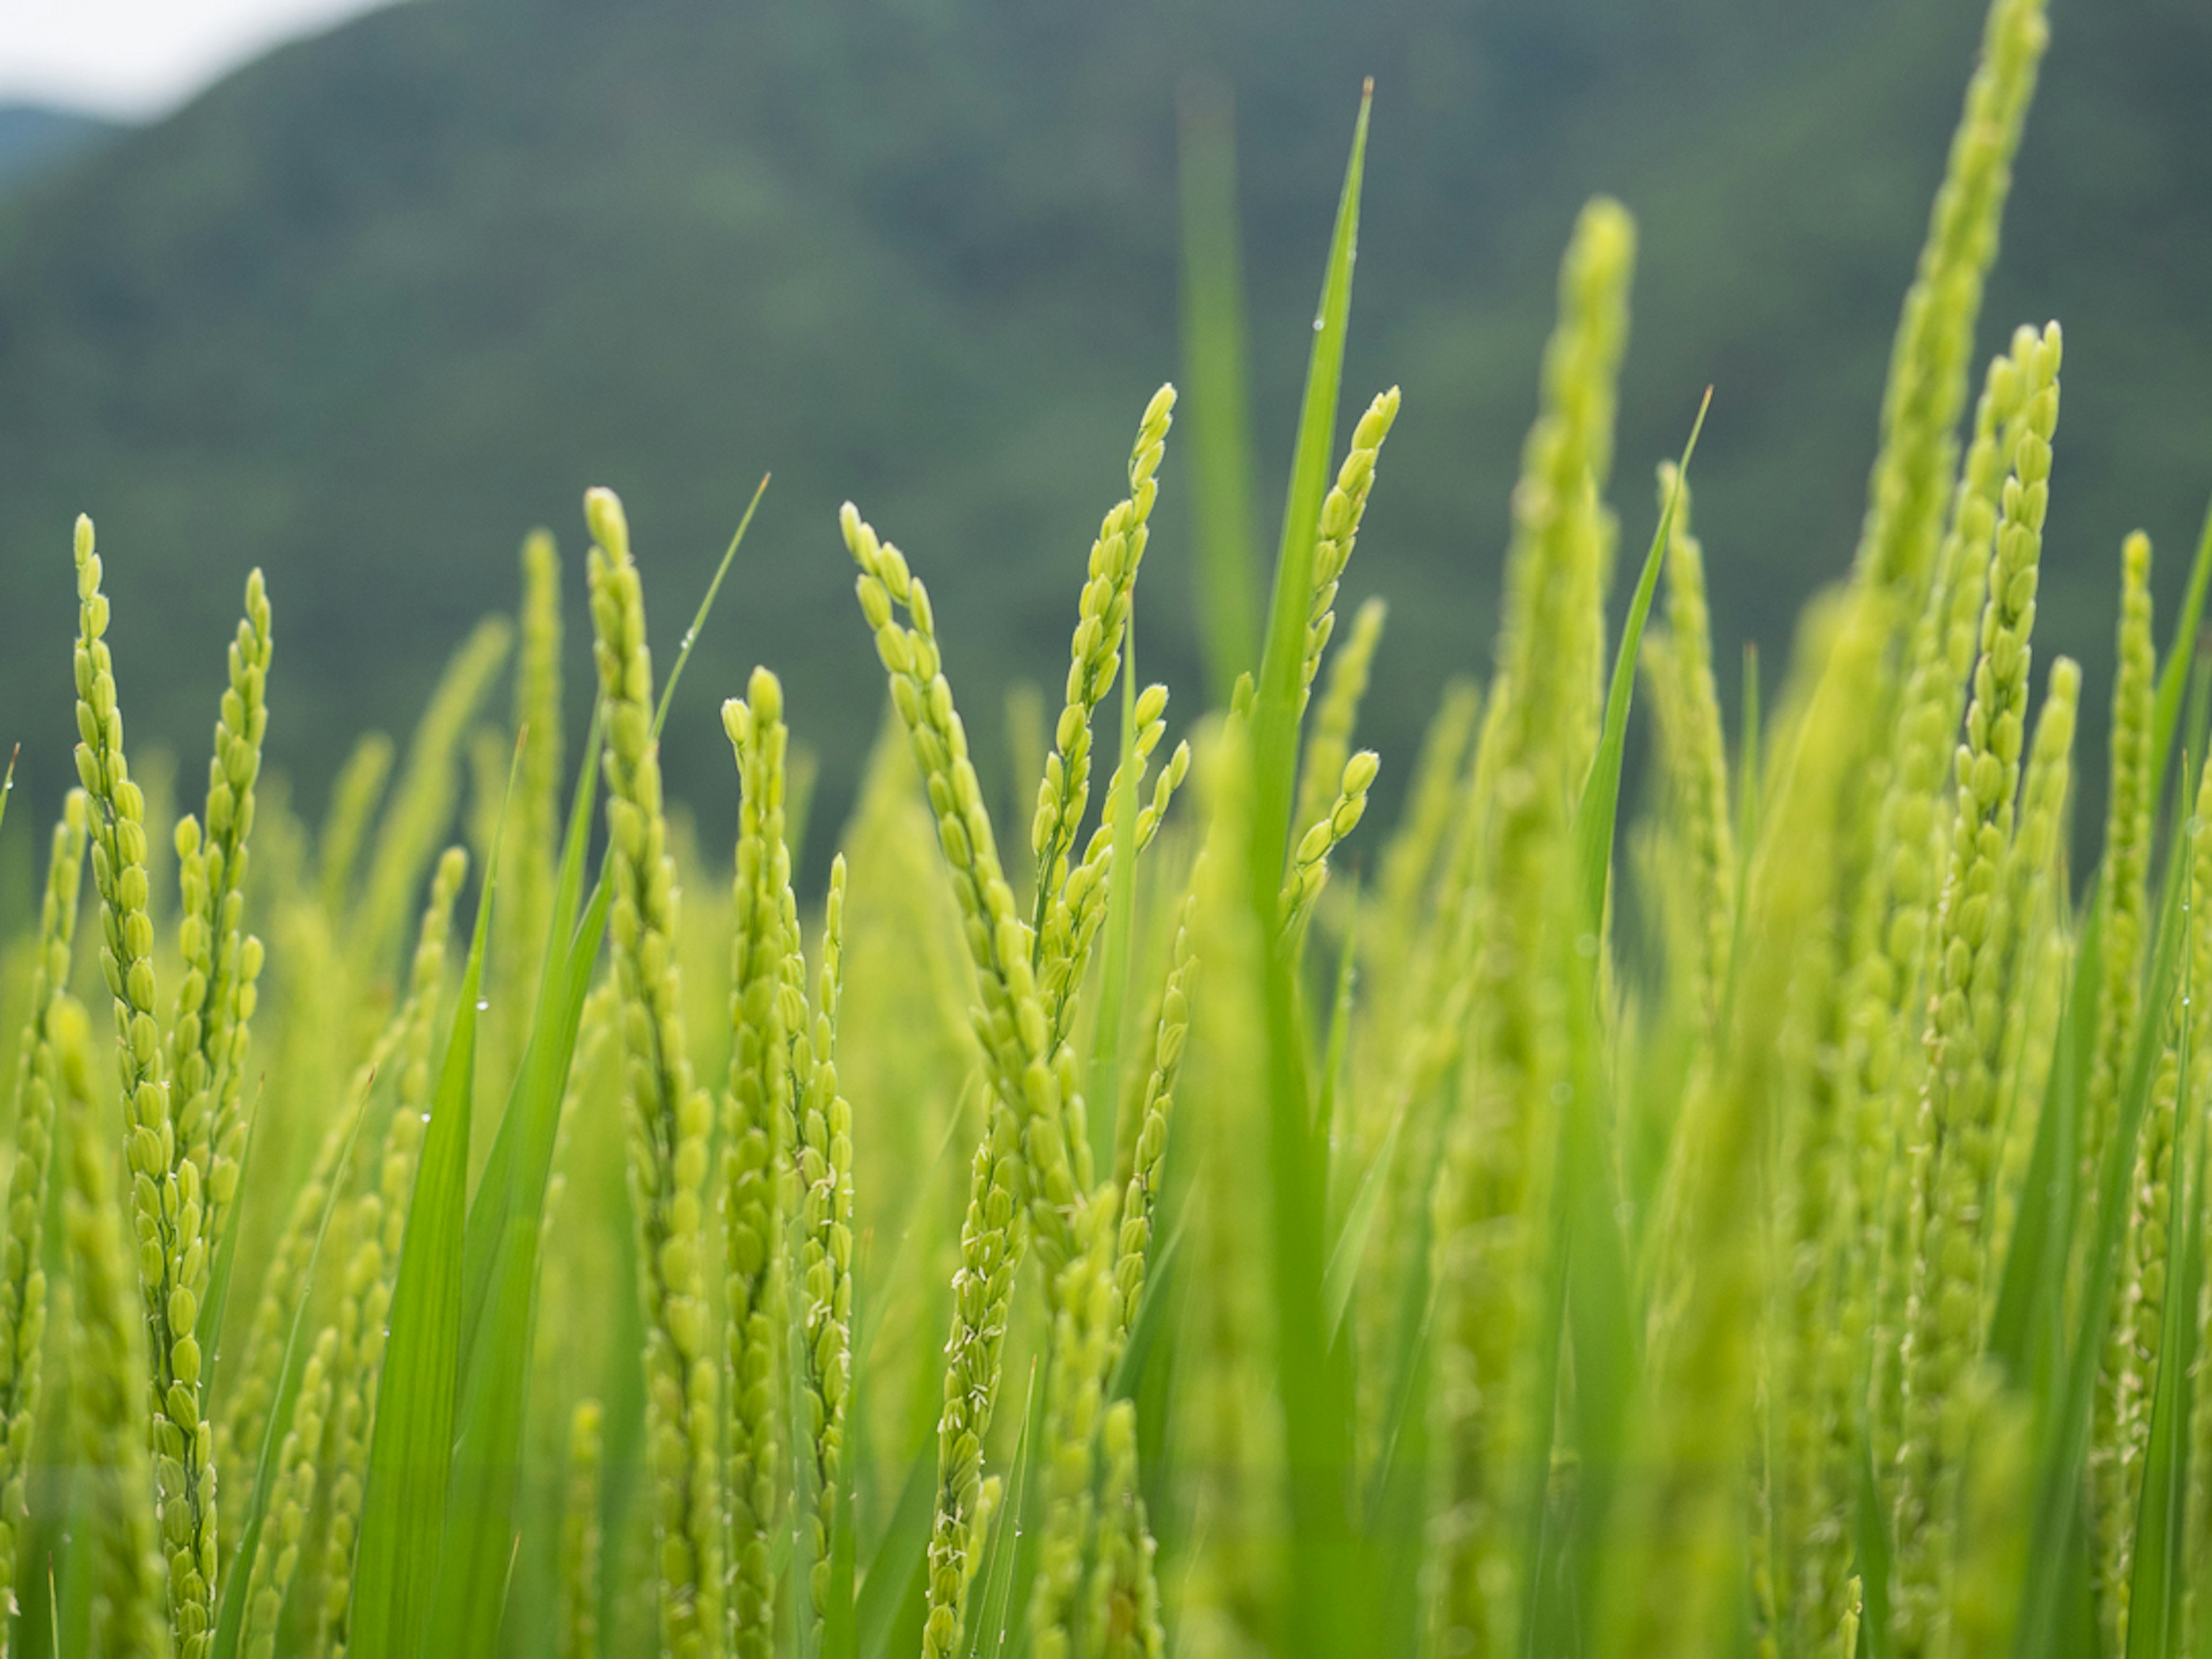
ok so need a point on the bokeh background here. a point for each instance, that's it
(365, 309)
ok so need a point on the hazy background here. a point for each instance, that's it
(368, 307)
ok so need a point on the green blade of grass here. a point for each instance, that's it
(403, 1517)
(893, 1580)
(1216, 389)
(1009, 1558)
(500, 1186)
(230, 1618)
(1276, 710)
(1325, 1589)
(2024, 1332)
(1598, 808)
(705, 604)
(2064, 1441)
(494, 1362)
(1359, 1222)
(1332, 1058)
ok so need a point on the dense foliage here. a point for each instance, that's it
(1780, 1227)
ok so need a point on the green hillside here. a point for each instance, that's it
(36, 138)
(371, 308)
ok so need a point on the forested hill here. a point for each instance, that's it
(372, 307)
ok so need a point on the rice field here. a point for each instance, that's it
(1151, 1211)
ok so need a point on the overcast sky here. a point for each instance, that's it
(138, 58)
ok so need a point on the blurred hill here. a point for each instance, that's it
(34, 137)
(374, 305)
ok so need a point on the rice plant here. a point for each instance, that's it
(1776, 1225)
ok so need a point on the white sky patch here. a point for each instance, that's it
(136, 59)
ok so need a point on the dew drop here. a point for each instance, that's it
(1316, 324)
(483, 1005)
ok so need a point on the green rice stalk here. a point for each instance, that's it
(278, 1557)
(1399, 913)
(670, 1117)
(1926, 389)
(1028, 1070)
(167, 1191)
(1341, 510)
(1672, 1587)
(1982, 1591)
(1074, 914)
(1064, 791)
(1124, 1618)
(379, 1222)
(535, 813)
(1309, 870)
(1953, 1147)
(1889, 938)
(2197, 1536)
(1695, 745)
(252, 1377)
(1328, 744)
(1148, 1149)
(22, 1275)
(580, 1543)
(107, 1413)
(2127, 844)
(421, 811)
(761, 1098)
(2125, 887)
(823, 1148)
(1085, 1317)
(1489, 1178)
(354, 800)
(216, 996)
(1226, 1595)
(2133, 1357)
(2035, 895)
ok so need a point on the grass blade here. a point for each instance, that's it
(2025, 1333)
(1008, 1559)
(2065, 1439)
(1598, 808)
(893, 1584)
(705, 604)
(402, 1519)
(1325, 1589)
(230, 1620)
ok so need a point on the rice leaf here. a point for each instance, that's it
(402, 1519)
(893, 1584)
(2065, 1439)
(1359, 1222)
(705, 604)
(230, 1622)
(1326, 1589)
(1597, 810)
(1009, 1559)
(496, 1345)
(2025, 1333)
